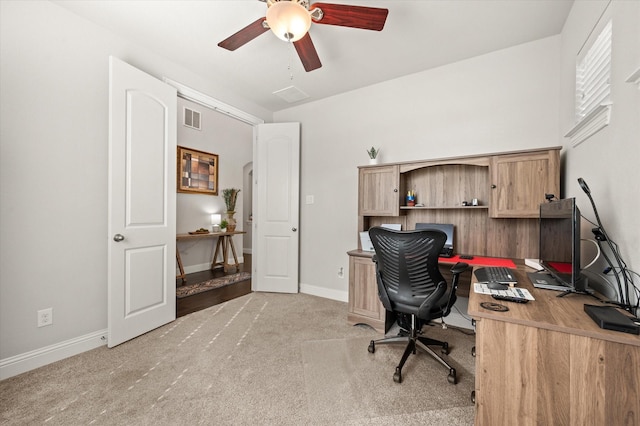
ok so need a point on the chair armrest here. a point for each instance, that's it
(459, 268)
(456, 270)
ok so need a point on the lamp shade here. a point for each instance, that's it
(216, 218)
(288, 20)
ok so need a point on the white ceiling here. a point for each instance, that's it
(418, 35)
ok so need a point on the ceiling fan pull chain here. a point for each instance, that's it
(291, 51)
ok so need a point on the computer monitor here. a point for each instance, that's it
(447, 250)
(560, 243)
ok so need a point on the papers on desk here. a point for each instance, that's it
(511, 291)
(365, 242)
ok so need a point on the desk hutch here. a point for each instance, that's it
(509, 187)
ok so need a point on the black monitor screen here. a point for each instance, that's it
(560, 241)
(447, 228)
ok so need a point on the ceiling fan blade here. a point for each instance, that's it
(307, 53)
(367, 18)
(245, 35)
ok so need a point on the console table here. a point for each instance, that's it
(547, 363)
(223, 244)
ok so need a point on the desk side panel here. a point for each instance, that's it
(533, 376)
(507, 385)
(552, 363)
(605, 382)
(622, 386)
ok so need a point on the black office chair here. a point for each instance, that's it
(411, 285)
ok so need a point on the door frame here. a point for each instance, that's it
(193, 95)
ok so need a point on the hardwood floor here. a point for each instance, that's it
(213, 297)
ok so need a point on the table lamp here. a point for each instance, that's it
(216, 218)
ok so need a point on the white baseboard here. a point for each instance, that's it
(195, 268)
(27, 361)
(202, 267)
(341, 296)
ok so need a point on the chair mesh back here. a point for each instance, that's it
(408, 262)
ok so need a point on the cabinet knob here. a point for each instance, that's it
(493, 186)
(395, 190)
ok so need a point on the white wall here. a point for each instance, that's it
(232, 141)
(502, 101)
(609, 160)
(53, 179)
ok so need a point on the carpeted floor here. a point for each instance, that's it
(261, 359)
(344, 382)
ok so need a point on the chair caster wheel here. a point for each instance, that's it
(397, 376)
(451, 378)
(445, 349)
(372, 347)
(473, 397)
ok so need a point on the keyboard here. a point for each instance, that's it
(495, 274)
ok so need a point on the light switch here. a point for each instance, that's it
(309, 199)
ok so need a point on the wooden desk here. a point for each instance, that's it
(547, 363)
(223, 244)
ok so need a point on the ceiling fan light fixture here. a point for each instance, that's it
(288, 20)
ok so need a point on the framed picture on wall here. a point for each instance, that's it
(197, 171)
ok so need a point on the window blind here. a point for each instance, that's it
(593, 75)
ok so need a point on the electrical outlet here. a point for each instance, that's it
(45, 317)
(341, 272)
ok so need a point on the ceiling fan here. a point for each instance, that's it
(290, 20)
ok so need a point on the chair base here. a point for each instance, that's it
(414, 341)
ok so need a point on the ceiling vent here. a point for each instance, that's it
(191, 118)
(291, 94)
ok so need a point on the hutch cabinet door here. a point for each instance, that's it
(520, 182)
(378, 191)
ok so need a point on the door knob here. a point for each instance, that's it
(118, 237)
(294, 229)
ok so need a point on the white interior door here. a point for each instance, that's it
(142, 202)
(276, 196)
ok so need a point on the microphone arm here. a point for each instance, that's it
(601, 235)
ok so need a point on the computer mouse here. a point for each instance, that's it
(497, 286)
